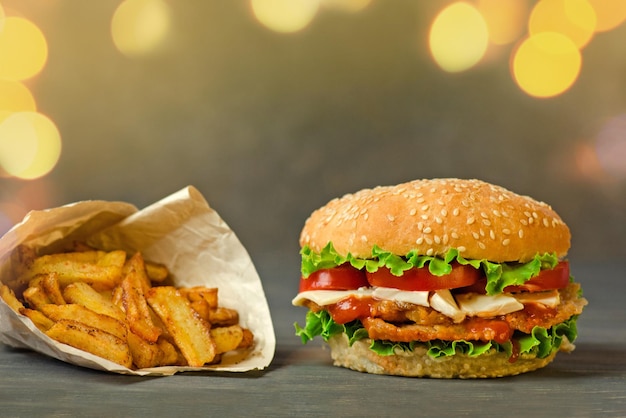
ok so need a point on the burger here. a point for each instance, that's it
(441, 278)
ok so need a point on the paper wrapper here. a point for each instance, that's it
(182, 232)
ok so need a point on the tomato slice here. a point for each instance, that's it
(344, 277)
(556, 278)
(421, 279)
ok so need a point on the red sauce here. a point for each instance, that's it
(538, 313)
(350, 308)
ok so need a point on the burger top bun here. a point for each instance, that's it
(479, 219)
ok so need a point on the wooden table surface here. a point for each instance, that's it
(301, 381)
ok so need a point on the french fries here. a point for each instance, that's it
(116, 306)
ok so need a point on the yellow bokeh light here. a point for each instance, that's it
(285, 16)
(609, 13)
(140, 26)
(546, 64)
(30, 145)
(506, 19)
(575, 19)
(23, 49)
(458, 37)
(15, 97)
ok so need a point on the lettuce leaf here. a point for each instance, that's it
(541, 341)
(499, 275)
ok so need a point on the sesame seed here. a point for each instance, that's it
(475, 235)
(437, 239)
(470, 220)
(482, 233)
(424, 217)
(484, 215)
(430, 251)
(445, 239)
(420, 200)
(481, 245)
(413, 212)
(366, 216)
(425, 207)
(523, 221)
(531, 220)
(461, 249)
(496, 213)
(428, 241)
(492, 235)
(438, 220)
(506, 242)
(444, 212)
(545, 222)
(486, 222)
(428, 230)
(419, 241)
(506, 231)
(455, 212)
(420, 225)
(391, 218)
(520, 233)
(363, 238)
(454, 235)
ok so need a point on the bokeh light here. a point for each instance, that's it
(506, 19)
(609, 13)
(285, 16)
(138, 27)
(15, 97)
(546, 64)
(458, 37)
(575, 19)
(23, 49)
(30, 145)
(610, 146)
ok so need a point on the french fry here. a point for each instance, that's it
(36, 297)
(39, 319)
(100, 269)
(138, 315)
(92, 340)
(227, 338)
(169, 354)
(201, 293)
(85, 295)
(247, 340)
(9, 297)
(223, 317)
(157, 273)
(50, 285)
(22, 259)
(86, 316)
(189, 331)
(144, 353)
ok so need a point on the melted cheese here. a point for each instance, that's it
(457, 308)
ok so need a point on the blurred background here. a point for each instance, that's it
(273, 107)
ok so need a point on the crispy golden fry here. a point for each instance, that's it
(201, 294)
(156, 272)
(223, 317)
(92, 340)
(40, 320)
(247, 340)
(202, 308)
(82, 294)
(145, 354)
(86, 316)
(138, 315)
(9, 297)
(227, 338)
(170, 355)
(36, 297)
(100, 269)
(50, 285)
(189, 331)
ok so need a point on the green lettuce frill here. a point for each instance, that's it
(499, 275)
(541, 341)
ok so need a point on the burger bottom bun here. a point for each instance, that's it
(418, 364)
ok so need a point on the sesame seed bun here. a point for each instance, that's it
(418, 364)
(481, 220)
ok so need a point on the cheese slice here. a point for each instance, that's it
(484, 306)
(443, 301)
(456, 308)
